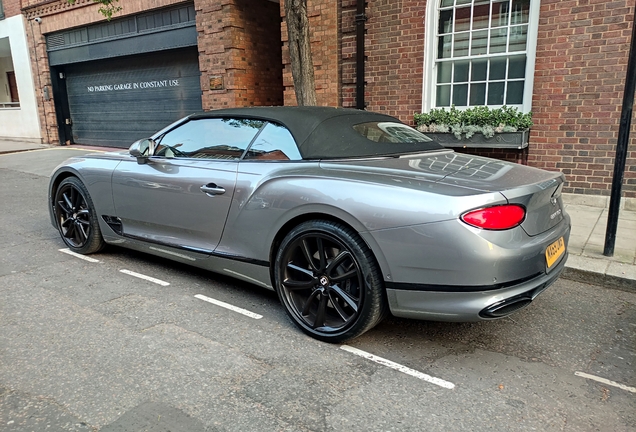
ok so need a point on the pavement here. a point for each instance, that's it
(9, 145)
(586, 262)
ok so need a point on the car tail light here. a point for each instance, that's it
(496, 218)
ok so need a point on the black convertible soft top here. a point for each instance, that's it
(326, 132)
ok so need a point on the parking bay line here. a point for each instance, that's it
(398, 367)
(229, 306)
(144, 277)
(606, 381)
(76, 255)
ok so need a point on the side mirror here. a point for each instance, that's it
(142, 150)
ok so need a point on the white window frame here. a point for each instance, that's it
(430, 55)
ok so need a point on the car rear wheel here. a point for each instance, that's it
(329, 282)
(76, 218)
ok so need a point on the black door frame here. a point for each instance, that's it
(62, 108)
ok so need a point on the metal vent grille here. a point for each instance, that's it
(159, 20)
(166, 17)
(112, 29)
(55, 40)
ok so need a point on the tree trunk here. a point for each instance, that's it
(300, 51)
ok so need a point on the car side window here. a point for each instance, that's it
(214, 138)
(275, 142)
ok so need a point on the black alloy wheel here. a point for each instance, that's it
(75, 216)
(329, 282)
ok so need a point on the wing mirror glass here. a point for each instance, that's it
(142, 149)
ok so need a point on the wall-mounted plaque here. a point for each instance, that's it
(216, 82)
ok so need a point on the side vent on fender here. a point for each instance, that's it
(115, 224)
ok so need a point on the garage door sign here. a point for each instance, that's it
(134, 85)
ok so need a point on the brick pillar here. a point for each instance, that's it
(42, 79)
(394, 46)
(239, 53)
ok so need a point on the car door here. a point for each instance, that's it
(182, 195)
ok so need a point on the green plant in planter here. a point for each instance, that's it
(466, 123)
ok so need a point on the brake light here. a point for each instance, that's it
(496, 218)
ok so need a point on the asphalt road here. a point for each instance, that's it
(85, 347)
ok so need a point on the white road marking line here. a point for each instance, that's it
(229, 306)
(606, 381)
(76, 255)
(398, 367)
(144, 277)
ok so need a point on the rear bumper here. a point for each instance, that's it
(463, 306)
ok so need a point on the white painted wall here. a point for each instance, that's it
(23, 122)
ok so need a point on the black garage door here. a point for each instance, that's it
(116, 101)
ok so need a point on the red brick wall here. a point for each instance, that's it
(11, 8)
(394, 47)
(582, 53)
(261, 54)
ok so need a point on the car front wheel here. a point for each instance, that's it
(329, 282)
(76, 218)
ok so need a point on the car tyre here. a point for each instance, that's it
(329, 282)
(76, 218)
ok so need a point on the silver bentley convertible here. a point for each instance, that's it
(348, 215)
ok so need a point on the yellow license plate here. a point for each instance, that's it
(554, 252)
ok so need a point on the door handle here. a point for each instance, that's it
(212, 189)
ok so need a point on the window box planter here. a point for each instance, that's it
(511, 127)
(507, 140)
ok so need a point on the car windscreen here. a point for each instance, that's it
(346, 137)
